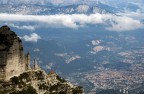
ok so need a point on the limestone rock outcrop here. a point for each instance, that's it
(38, 82)
(12, 59)
(16, 76)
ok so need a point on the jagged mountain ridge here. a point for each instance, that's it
(51, 9)
(45, 7)
(16, 75)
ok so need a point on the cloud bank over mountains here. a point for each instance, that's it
(75, 21)
(125, 19)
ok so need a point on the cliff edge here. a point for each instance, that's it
(13, 61)
(16, 76)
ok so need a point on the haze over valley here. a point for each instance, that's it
(97, 44)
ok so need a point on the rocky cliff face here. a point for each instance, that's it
(17, 78)
(12, 59)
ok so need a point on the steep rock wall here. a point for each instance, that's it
(15, 60)
(12, 59)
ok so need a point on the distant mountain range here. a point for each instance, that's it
(49, 9)
(66, 2)
(84, 41)
(45, 7)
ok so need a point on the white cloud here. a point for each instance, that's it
(136, 15)
(112, 22)
(49, 66)
(125, 24)
(32, 38)
(73, 58)
(36, 50)
(25, 27)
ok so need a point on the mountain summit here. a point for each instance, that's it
(16, 75)
(12, 59)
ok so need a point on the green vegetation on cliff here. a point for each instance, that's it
(38, 82)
